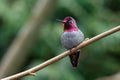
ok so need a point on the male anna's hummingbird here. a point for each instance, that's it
(71, 37)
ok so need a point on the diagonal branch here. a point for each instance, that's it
(62, 55)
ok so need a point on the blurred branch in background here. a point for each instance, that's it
(33, 70)
(17, 52)
(112, 77)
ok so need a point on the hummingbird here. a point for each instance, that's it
(71, 37)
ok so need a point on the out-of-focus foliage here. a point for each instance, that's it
(93, 17)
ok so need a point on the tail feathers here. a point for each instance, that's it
(74, 58)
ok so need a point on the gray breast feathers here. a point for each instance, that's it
(72, 39)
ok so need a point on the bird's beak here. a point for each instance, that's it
(60, 20)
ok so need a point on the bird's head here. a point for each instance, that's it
(69, 24)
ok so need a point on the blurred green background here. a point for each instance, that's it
(93, 17)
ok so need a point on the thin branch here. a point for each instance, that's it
(62, 55)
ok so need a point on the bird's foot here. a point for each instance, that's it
(70, 50)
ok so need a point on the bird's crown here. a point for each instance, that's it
(69, 19)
